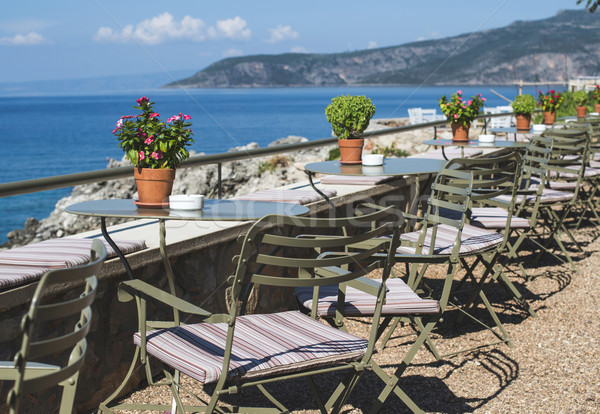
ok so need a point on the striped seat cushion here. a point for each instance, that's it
(451, 152)
(263, 345)
(489, 218)
(356, 179)
(27, 263)
(588, 173)
(554, 185)
(474, 240)
(399, 300)
(548, 196)
(303, 196)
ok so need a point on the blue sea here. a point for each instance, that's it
(44, 136)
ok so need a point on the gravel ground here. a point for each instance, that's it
(552, 368)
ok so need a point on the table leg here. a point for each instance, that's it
(115, 248)
(310, 180)
(444, 153)
(167, 265)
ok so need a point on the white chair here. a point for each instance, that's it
(415, 115)
(430, 115)
(501, 121)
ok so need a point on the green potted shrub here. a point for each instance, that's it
(349, 116)
(581, 99)
(523, 106)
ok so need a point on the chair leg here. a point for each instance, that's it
(68, 395)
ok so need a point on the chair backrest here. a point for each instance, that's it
(493, 177)
(290, 252)
(534, 173)
(570, 155)
(429, 115)
(52, 352)
(501, 121)
(415, 115)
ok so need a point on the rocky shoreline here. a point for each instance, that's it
(238, 177)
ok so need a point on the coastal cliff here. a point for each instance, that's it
(553, 49)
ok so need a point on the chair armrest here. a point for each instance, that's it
(136, 288)
(33, 370)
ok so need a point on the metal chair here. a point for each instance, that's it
(47, 338)
(235, 350)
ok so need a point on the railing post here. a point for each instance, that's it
(219, 165)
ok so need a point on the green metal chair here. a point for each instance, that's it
(35, 365)
(234, 351)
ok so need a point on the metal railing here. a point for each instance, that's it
(71, 180)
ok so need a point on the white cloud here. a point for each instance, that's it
(232, 52)
(281, 33)
(372, 45)
(164, 28)
(299, 49)
(31, 38)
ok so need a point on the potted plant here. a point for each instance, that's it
(580, 98)
(461, 113)
(523, 106)
(550, 102)
(596, 99)
(155, 148)
(349, 116)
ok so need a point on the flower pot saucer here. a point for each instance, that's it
(151, 205)
(351, 162)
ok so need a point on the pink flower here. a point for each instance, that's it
(186, 117)
(551, 90)
(173, 118)
(153, 114)
(469, 102)
(126, 117)
(156, 155)
(149, 140)
(141, 155)
(455, 116)
(459, 92)
(448, 104)
(483, 99)
(142, 100)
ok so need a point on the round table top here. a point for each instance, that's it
(497, 143)
(217, 210)
(391, 166)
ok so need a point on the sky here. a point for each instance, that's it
(66, 39)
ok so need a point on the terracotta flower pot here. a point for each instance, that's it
(549, 117)
(351, 150)
(597, 108)
(460, 132)
(523, 122)
(581, 111)
(154, 185)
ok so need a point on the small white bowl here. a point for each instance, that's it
(372, 159)
(594, 113)
(487, 137)
(539, 127)
(186, 201)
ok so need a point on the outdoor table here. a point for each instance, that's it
(391, 166)
(213, 210)
(497, 143)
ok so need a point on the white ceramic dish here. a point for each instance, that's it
(372, 159)
(539, 127)
(594, 113)
(186, 201)
(487, 137)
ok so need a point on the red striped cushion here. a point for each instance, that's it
(473, 240)
(399, 300)
(28, 263)
(263, 345)
(287, 196)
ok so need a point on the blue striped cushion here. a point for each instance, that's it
(28, 263)
(399, 300)
(473, 240)
(548, 196)
(263, 345)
